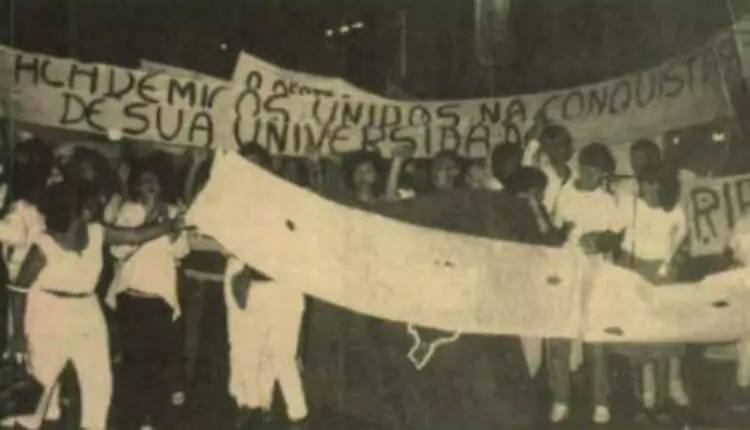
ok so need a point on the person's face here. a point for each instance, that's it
(444, 173)
(559, 150)
(536, 194)
(590, 177)
(149, 186)
(87, 171)
(476, 175)
(510, 165)
(364, 176)
(639, 159)
(650, 194)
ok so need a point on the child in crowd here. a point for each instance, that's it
(588, 216)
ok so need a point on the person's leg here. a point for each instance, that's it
(284, 344)
(649, 385)
(163, 364)
(557, 352)
(256, 366)
(48, 349)
(134, 325)
(194, 295)
(676, 387)
(600, 380)
(90, 357)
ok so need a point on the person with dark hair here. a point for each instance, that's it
(506, 159)
(144, 294)
(264, 319)
(257, 154)
(551, 150)
(588, 215)
(60, 319)
(527, 181)
(363, 176)
(446, 171)
(530, 183)
(643, 153)
(654, 230)
(478, 176)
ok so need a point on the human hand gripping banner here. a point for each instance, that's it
(398, 271)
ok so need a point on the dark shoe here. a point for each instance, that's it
(243, 419)
(265, 416)
(298, 425)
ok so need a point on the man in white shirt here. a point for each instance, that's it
(643, 153)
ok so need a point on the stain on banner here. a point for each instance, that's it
(426, 344)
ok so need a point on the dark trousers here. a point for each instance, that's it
(193, 298)
(152, 362)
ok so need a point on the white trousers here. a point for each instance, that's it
(62, 330)
(263, 343)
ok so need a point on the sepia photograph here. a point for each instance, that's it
(374, 214)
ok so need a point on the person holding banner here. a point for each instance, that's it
(144, 294)
(643, 153)
(264, 319)
(550, 149)
(655, 228)
(588, 215)
(60, 274)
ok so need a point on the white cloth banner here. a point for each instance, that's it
(684, 91)
(393, 270)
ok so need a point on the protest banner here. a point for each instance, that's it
(289, 111)
(178, 72)
(685, 91)
(713, 206)
(96, 98)
(308, 243)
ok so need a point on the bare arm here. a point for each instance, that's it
(134, 236)
(33, 264)
(391, 188)
(679, 234)
(400, 155)
(189, 190)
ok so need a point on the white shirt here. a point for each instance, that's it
(651, 233)
(70, 271)
(149, 268)
(587, 211)
(534, 157)
(19, 230)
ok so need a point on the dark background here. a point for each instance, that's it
(556, 43)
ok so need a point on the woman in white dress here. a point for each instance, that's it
(62, 270)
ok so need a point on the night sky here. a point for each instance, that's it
(560, 43)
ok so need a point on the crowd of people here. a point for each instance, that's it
(101, 268)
